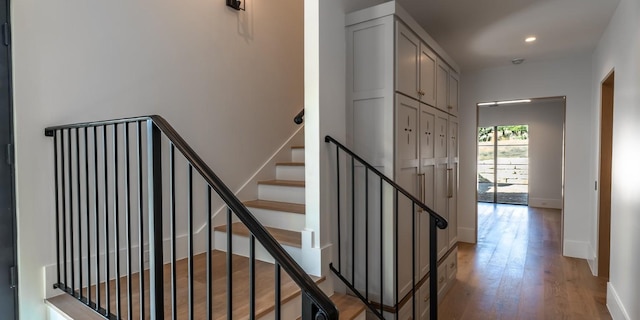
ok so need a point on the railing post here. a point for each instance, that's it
(433, 265)
(154, 187)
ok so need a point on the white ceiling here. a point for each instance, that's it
(488, 33)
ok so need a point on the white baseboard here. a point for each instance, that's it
(576, 249)
(467, 235)
(615, 306)
(545, 203)
(592, 260)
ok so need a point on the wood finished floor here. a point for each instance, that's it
(517, 271)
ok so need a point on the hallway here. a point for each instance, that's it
(517, 271)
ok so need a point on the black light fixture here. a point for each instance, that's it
(236, 4)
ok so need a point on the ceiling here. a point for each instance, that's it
(480, 34)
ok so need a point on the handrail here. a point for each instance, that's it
(299, 118)
(297, 274)
(440, 221)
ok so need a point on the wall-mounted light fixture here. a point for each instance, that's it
(236, 4)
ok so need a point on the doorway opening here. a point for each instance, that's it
(604, 190)
(503, 164)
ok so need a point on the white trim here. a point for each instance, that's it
(615, 306)
(576, 249)
(592, 260)
(545, 203)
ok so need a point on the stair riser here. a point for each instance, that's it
(281, 193)
(241, 247)
(279, 219)
(290, 173)
(297, 155)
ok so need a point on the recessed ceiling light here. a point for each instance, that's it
(530, 39)
(513, 101)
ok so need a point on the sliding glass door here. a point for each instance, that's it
(503, 164)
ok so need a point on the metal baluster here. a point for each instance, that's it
(190, 243)
(96, 210)
(433, 276)
(353, 223)
(278, 297)
(366, 233)
(106, 220)
(127, 188)
(57, 193)
(229, 266)
(209, 248)
(397, 254)
(381, 250)
(338, 200)
(70, 168)
(172, 186)
(413, 256)
(252, 277)
(88, 210)
(116, 218)
(154, 189)
(79, 200)
(140, 221)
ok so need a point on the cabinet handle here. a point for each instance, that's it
(425, 299)
(421, 189)
(441, 279)
(450, 106)
(449, 183)
(452, 265)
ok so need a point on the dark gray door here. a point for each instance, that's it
(8, 273)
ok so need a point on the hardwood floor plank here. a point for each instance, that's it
(517, 271)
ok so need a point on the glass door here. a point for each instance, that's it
(503, 164)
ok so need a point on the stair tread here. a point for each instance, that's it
(348, 306)
(276, 206)
(291, 164)
(297, 147)
(284, 183)
(265, 293)
(287, 237)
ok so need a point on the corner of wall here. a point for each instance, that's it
(614, 304)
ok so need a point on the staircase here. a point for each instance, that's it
(280, 207)
(252, 276)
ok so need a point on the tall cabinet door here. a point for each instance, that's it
(428, 63)
(442, 86)
(454, 83)
(406, 175)
(453, 180)
(427, 180)
(407, 61)
(441, 166)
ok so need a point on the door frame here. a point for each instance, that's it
(603, 184)
(8, 150)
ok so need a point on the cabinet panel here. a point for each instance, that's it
(453, 180)
(407, 61)
(454, 83)
(440, 148)
(442, 81)
(428, 75)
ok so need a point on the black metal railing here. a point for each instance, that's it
(112, 179)
(299, 118)
(377, 207)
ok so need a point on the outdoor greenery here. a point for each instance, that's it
(516, 132)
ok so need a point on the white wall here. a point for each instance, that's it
(619, 49)
(546, 124)
(566, 77)
(230, 82)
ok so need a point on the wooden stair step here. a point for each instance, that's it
(348, 306)
(286, 237)
(291, 164)
(264, 299)
(297, 147)
(283, 183)
(276, 206)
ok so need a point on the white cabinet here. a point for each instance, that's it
(401, 117)
(415, 66)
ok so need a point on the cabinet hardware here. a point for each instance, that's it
(449, 183)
